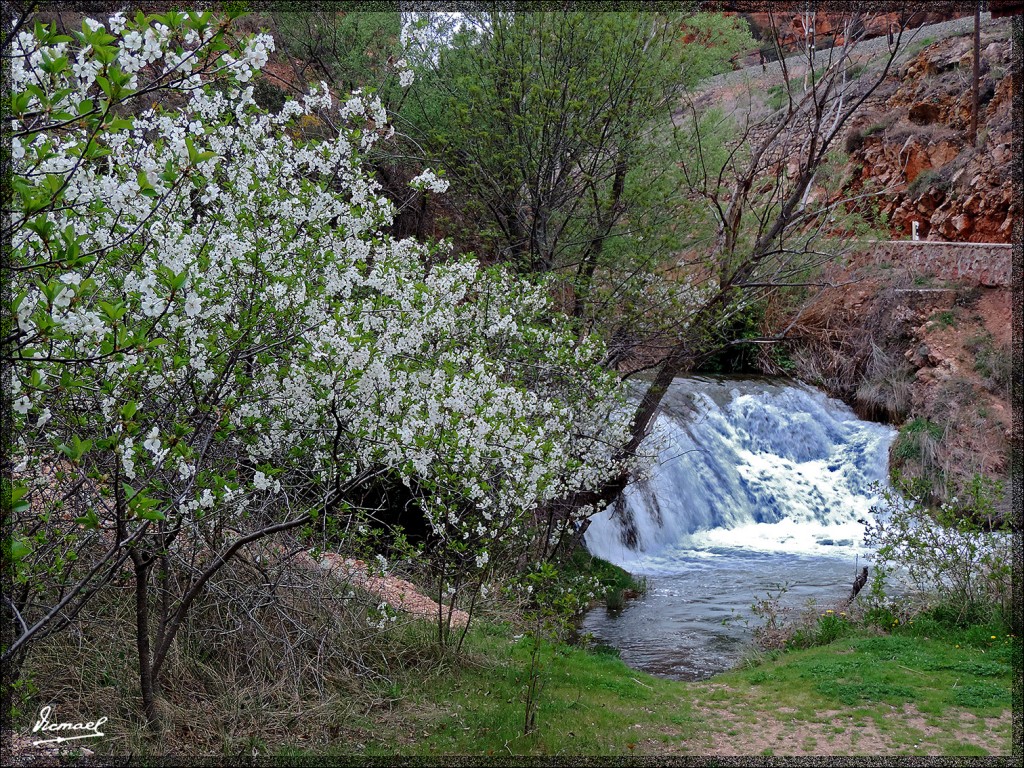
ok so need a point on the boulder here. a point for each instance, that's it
(915, 159)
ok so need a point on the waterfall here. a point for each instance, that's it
(746, 466)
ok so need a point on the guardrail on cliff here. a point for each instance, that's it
(987, 264)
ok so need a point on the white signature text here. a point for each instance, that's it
(44, 725)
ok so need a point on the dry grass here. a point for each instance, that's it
(274, 654)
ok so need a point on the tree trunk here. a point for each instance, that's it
(607, 220)
(147, 682)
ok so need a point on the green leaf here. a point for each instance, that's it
(121, 124)
(77, 449)
(18, 502)
(192, 154)
(128, 409)
(89, 519)
(19, 103)
(19, 550)
(114, 312)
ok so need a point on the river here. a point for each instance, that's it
(759, 485)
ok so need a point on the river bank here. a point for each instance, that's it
(874, 692)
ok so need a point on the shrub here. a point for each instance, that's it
(944, 319)
(947, 552)
(926, 181)
(886, 391)
(854, 141)
(918, 440)
(994, 364)
(827, 628)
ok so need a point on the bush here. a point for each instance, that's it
(953, 553)
(886, 391)
(829, 627)
(854, 141)
(613, 583)
(217, 341)
(918, 440)
(926, 181)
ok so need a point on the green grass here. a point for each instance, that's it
(917, 439)
(993, 363)
(941, 672)
(934, 666)
(426, 702)
(944, 319)
(588, 704)
(592, 704)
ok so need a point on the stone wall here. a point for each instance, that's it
(985, 264)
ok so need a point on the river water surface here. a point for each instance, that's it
(758, 485)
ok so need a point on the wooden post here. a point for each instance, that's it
(972, 137)
(858, 584)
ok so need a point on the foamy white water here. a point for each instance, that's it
(747, 466)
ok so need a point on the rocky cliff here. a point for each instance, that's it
(911, 142)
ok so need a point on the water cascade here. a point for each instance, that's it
(757, 483)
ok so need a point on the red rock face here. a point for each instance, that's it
(913, 144)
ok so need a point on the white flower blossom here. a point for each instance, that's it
(429, 180)
(193, 305)
(152, 442)
(63, 299)
(298, 309)
(153, 306)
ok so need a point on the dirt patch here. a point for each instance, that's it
(744, 725)
(994, 309)
(398, 593)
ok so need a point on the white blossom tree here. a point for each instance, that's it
(210, 340)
